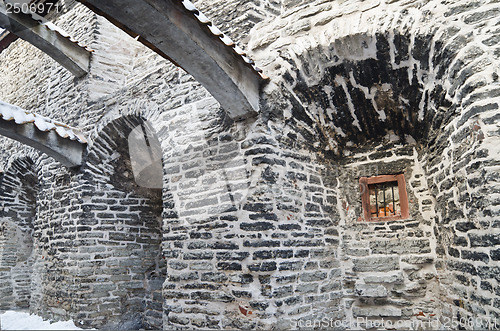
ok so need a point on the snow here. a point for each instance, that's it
(10, 112)
(16, 320)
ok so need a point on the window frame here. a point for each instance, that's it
(365, 196)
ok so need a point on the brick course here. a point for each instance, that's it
(265, 215)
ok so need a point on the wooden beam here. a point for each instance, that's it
(177, 31)
(63, 143)
(49, 39)
(6, 38)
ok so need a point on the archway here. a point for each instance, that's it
(375, 99)
(63, 143)
(17, 212)
(124, 261)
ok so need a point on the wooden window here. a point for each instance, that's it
(384, 197)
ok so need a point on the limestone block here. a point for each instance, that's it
(370, 290)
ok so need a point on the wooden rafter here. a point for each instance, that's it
(48, 38)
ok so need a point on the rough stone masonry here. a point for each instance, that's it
(259, 223)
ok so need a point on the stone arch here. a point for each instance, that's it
(435, 85)
(124, 261)
(18, 190)
(362, 87)
(209, 56)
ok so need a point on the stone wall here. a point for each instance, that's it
(258, 240)
(259, 223)
(414, 72)
(118, 236)
(390, 269)
(17, 211)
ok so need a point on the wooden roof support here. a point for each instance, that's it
(63, 143)
(49, 39)
(178, 32)
(6, 38)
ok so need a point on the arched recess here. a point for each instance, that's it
(434, 90)
(63, 143)
(18, 189)
(121, 228)
(432, 93)
(356, 99)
